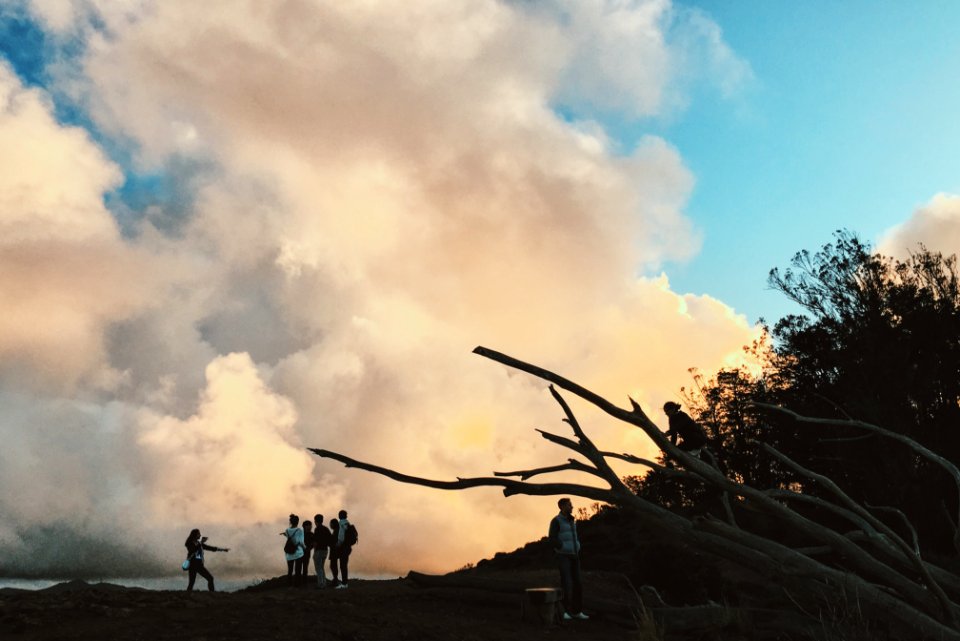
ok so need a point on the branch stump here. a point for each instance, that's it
(541, 606)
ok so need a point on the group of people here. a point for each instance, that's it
(314, 540)
(318, 541)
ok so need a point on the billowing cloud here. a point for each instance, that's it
(390, 186)
(203, 464)
(936, 225)
(636, 58)
(65, 274)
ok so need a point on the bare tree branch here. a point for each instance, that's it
(863, 524)
(562, 441)
(636, 417)
(790, 564)
(926, 453)
(572, 464)
(851, 439)
(725, 495)
(630, 458)
(662, 469)
(853, 506)
(589, 449)
(903, 521)
(510, 486)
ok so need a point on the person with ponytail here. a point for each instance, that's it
(195, 545)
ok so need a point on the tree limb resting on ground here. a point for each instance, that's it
(888, 576)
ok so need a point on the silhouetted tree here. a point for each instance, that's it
(879, 341)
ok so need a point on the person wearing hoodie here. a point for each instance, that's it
(195, 545)
(293, 550)
(344, 538)
(563, 537)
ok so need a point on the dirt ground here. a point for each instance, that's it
(366, 611)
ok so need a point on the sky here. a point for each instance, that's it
(235, 230)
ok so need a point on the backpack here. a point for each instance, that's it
(290, 547)
(351, 537)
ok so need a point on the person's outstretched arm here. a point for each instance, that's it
(213, 548)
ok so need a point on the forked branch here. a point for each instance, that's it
(948, 466)
(510, 487)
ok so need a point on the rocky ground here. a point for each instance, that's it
(368, 611)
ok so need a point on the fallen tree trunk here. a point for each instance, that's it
(886, 577)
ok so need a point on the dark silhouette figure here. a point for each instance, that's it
(344, 537)
(293, 550)
(692, 436)
(308, 539)
(563, 537)
(195, 545)
(321, 546)
(334, 571)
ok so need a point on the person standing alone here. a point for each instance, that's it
(563, 537)
(195, 545)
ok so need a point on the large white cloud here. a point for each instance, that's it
(936, 225)
(392, 187)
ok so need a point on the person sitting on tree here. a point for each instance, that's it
(692, 437)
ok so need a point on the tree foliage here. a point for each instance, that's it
(878, 340)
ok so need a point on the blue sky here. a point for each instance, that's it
(851, 121)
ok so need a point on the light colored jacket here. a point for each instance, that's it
(563, 535)
(341, 533)
(296, 534)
